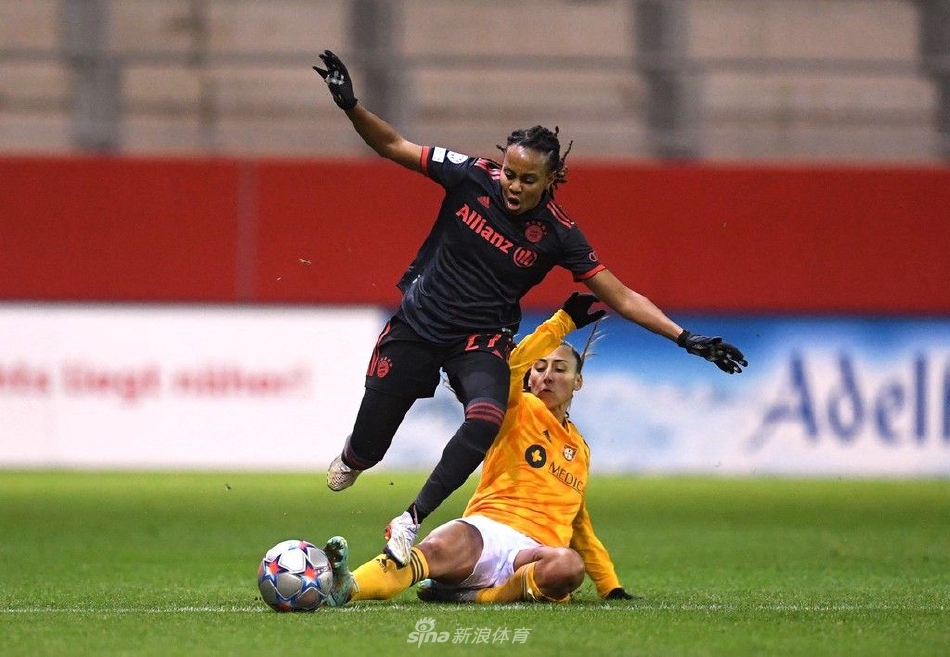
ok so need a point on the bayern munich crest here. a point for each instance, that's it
(534, 232)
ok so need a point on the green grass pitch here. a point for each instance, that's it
(134, 563)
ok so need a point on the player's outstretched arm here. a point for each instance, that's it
(377, 133)
(631, 305)
(637, 308)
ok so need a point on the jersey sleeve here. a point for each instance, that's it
(545, 339)
(446, 167)
(597, 561)
(578, 257)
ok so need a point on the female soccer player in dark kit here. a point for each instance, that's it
(498, 233)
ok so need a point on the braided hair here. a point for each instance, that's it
(538, 138)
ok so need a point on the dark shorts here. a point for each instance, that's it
(407, 365)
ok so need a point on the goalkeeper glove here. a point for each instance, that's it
(726, 357)
(619, 594)
(338, 80)
(578, 307)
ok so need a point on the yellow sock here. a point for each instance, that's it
(519, 587)
(381, 578)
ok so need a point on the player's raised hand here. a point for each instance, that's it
(338, 80)
(726, 356)
(578, 307)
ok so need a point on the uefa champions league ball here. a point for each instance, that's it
(294, 575)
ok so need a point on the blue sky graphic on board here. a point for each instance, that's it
(822, 395)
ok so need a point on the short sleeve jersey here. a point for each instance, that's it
(479, 260)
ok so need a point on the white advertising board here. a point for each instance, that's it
(180, 386)
(269, 388)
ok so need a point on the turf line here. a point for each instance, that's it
(817, 609)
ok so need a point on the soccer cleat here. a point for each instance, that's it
(343, 585)
(401, 534)
(430, 591)
(340, 475)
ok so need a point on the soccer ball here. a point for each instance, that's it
(294, 576)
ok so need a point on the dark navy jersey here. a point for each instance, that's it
(479, 260)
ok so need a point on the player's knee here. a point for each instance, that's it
(435, 548)
(452, 548)
(485, 413)
(481, 433)
(572, 568)
(453, 539)
(562, 572)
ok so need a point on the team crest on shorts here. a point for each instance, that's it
(569, 452)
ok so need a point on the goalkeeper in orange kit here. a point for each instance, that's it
(526, 533)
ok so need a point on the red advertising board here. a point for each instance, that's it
(707, 238)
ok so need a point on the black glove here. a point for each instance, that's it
(578, 307)
(619, 594)
(726, 357)
(338, 80)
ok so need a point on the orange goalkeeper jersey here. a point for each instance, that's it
(535, 473)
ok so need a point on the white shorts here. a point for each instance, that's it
(500, 547)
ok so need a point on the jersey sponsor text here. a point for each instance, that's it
(566, 477)
(480, 226)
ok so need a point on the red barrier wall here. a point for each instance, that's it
(692, 238)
